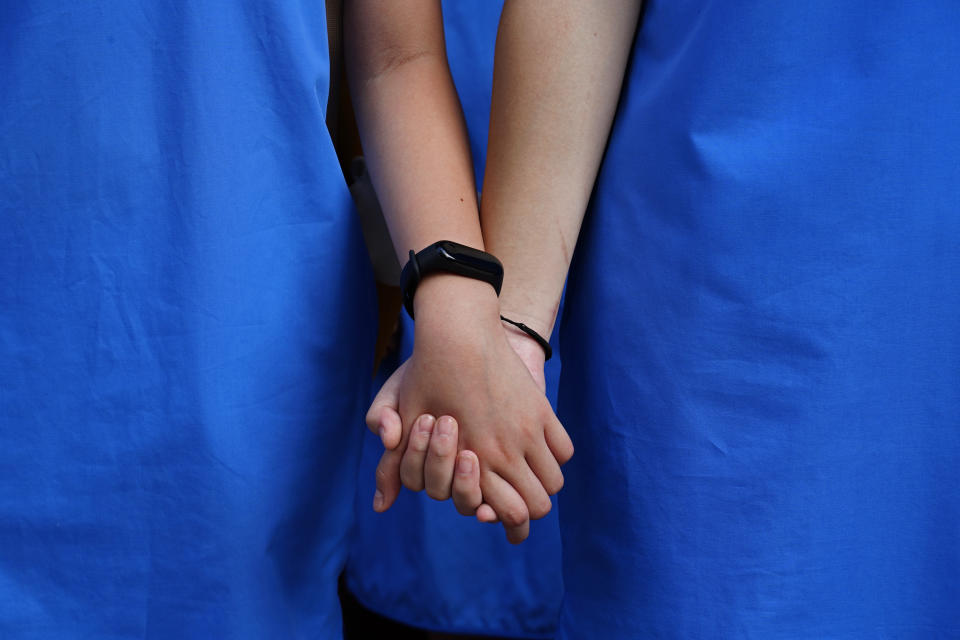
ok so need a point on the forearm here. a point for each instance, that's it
(410, 122)
(555, 92)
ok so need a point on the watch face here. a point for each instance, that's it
(470, 257)
(452, 257)
(445, 252)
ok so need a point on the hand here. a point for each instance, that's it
(383, 417)
(464, 365)
(464, 494)
(440, 481)
(464, 483)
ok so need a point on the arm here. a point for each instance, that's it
(558, 71)
(555, 91)
(415, 143)
(410, 122)
(417, 153)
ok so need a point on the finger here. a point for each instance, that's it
(486, 514)
(466, 483)
(388, 480)
(388, 474)
(390, 427)
(383, 417)
(526, 483)
(546, 468)
(507, 504)
(411, 466)
(558, 440)
(438, 470)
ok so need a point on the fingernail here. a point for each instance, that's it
(426, 423)
(377, 500)
(421, 438)
(465, 465)
(445, 426)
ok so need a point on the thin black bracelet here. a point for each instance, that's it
(547, 350)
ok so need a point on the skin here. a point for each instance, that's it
(463, 364)
(555, 93)
(554, 98)
(410, 122)
(468, 369)
(428, 453)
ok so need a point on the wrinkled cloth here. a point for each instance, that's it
(187, 321)
(761, 339)
(422, 563)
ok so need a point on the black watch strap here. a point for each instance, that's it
(539, 339)
(450, 257)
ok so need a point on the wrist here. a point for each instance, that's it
(447, 256)
(524, 345)
(541, 324)
(446, 297)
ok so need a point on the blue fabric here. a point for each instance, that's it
(186, 323)
(421, 562)
(762, 331)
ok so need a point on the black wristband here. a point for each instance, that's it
(544, 344)
(449, 257)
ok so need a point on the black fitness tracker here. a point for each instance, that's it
(450, 257)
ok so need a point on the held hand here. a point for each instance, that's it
(464, 485)
(383, 417)
(465, 497)
(465, 365)
(438, 475)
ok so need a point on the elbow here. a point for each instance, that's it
(375, 48)
(382, 39)
(385, 60)
(391, 58)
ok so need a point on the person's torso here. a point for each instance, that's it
(762, 331)
(186, 323)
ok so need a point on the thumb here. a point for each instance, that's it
(383, 417)
(388, 480)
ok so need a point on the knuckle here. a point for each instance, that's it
(540, 510)
(501, 459)
(464, 498)
(419, 441)
(464, 509)
(410, 480)
(521, 537)
(545, 414)
(514, 516)
(488, 449)
(555, 485)
(461, 492)
(516, 536)
(441, 446)
(546, 408)
(438, 493)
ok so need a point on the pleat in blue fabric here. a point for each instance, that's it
(421, 562)
(186, 323)
(762, 331)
